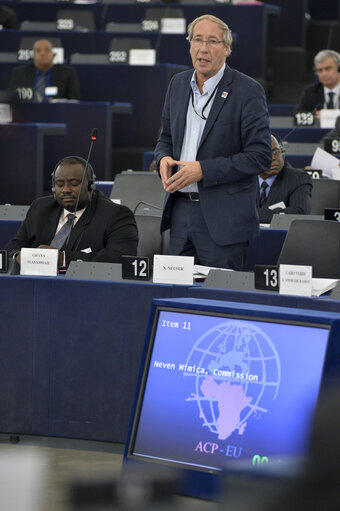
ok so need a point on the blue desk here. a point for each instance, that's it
(73, 374)
(250, 22)
(22, 160)
(80, 118)
(142, 86)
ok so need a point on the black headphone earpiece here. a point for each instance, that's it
(92, 176)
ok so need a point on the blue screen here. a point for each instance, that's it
(218, 390)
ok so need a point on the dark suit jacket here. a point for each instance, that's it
(312, 96)
(63, 77)
(294, 188)
(107, 228)
(234, 148)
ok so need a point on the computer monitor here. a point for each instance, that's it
(223, 384)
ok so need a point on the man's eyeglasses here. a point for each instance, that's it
(277, 152)
(198, 42)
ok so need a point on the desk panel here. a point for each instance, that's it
(22, 160)
(80, 118)
(249, 22)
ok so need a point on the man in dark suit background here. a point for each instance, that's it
(214, 141)
(325, 93)
(45, 79)
(282, 188)
(102, 231)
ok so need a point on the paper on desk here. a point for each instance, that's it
(324, 161)
(204, 270)
(321, 286)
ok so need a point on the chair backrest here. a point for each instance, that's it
(13, 212)
(326, 194)
(128, 43)
(284, 221)
(313, 243)
(150, 238)
(157, 13)
(137, 190)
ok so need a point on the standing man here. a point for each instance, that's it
(214, 141)
(44, 78)
(325, 93)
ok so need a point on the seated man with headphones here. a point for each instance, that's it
(282, 188)
(99, 230)
(325, 93)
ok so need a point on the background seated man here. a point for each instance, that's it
(283, 189)
(45, 78)
(102, 230)
(325, 93)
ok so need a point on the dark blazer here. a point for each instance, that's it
(234, 148)
(108, 229)
(312, 96)
(294, 188)
(63, 77)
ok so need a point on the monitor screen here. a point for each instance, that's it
(222, 387)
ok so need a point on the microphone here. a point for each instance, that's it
(316, 109)
(94, 135)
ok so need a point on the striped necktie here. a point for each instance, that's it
(263, 195)
(40, 87)
(61, 236)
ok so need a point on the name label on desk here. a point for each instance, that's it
(304, 119)
(332, 145)
(332, 214)
(142, 57)
(173, 25)
(135, 268)
(173, 269)
(39, 261)
(3, 261)
(295, 280)
(328, 117)
(266, 277)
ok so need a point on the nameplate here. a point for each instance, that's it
(25, 93)
(314, 173)
(135, 268)
(266, 277)
(332, 214)
(150, 25)
(142, 57)
(332, 145)
(3, 261)
(173, 269)
(25, 54)
(304, 119)
(295, 280)
(5, 113)
(173, 25)
(65, 24)
(328, 117)
(39, 261)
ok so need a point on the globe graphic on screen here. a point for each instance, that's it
(236, 371)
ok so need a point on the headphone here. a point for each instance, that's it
(280, 142)
(79, 159)
(328, 53)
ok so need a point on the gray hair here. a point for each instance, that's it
(324, 54)
(227, 35)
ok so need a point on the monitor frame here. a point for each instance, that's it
(194, 480)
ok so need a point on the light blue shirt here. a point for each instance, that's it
(194, 123)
